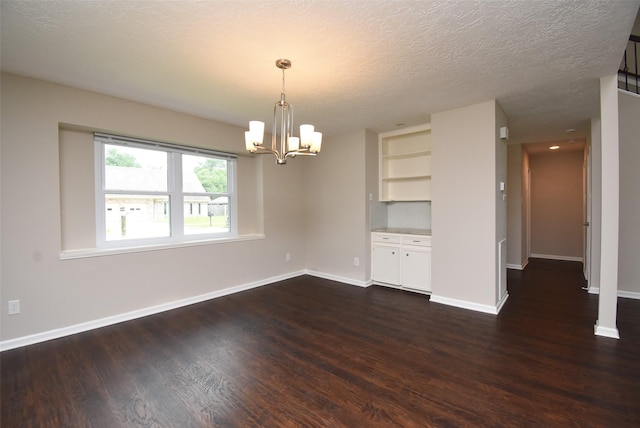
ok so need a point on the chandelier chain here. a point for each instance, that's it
(283, 80)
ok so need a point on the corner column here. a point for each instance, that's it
(608, 299)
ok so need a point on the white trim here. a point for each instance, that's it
(556, 257)
(128, 316)
(502, 302)
(339, 278)
(487, 309)
(629, 294)
(98, 252)
(518, 267)
(621, 293)
(606, 331)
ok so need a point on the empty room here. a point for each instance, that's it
(441, 233)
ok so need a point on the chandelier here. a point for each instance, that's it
(308, 144)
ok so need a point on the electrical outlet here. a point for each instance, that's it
(14, 307)
(287, 257)
(356, 261)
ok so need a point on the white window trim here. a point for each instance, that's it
(100, 252)
(176, 199)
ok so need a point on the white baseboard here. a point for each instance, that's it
(128, 316)
(557, 257)
(342, 279)
(606, 331)
(502, 302)
(487, 309)
(621, 293)
(518, 267)
(628, 294)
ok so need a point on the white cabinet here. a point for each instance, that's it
(416, 268)
(405, 164)
(401, 260)
(385, 262)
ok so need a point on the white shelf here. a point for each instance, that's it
(408, 154)
(405, 164)
(408, 177)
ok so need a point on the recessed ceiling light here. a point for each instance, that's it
(571, 130)
(554, 147)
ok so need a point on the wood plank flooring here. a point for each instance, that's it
(309, 352)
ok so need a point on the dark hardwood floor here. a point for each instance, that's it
(311, 352)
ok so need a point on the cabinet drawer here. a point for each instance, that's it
(390, 238)
(423, 241)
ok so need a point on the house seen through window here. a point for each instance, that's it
(151, 192)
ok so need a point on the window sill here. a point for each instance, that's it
(99, 252)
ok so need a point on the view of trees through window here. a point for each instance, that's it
(212, 173)
(118, 158)
(138, 196)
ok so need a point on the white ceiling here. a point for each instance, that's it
(356, 64)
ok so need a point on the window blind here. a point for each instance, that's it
(128, 141)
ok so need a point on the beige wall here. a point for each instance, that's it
(58, 293)
(500, 198)
(629, 243)
(336, 202)
(556, 205)
(465, 219)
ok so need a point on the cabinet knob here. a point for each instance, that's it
(393, 252)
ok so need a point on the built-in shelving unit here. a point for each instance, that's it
(405, 164)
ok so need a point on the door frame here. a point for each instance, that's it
(586, 187)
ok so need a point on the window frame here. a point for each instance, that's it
(175, 193)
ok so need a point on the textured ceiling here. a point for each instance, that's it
(356, 64)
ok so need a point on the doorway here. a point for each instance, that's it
(556, 197)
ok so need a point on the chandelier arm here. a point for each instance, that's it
(279, 158)
(264, 150)
(301, 153)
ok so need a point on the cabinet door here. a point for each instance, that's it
(416, 269)
(385, 264)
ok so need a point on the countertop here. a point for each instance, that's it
(404, 231)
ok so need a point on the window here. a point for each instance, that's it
(150, 192)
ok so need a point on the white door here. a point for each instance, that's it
(385, 264)
(416, 269)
